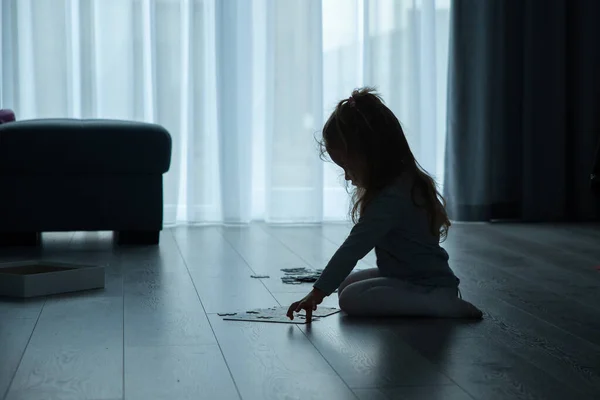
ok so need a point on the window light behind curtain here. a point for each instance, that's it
(242, 85)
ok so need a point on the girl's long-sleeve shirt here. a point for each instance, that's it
(404, 245)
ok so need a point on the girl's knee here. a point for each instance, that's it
(348, 300)
(358, 276)
(345, 304)
(345, 283)
(341, 288)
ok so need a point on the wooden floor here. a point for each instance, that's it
(153, 333)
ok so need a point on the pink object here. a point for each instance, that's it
(7, 116)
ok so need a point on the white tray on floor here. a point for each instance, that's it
(41, 278)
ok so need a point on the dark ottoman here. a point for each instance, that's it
(82, 175)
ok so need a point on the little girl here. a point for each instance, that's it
(398, 211)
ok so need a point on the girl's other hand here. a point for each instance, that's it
(309, 303)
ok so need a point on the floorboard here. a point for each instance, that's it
(274, 361)
(437, 392)
(368, 356)
(590, 231)
(554, 270)
(579, 266)
(223, 285)
(506, 325)
(554, 237)
(315, 251)
(525, 288)
(562, 312)
(161, 304)
(265, 255)
(153, 332)
(76, 350)
(564, 357)
(177, 372)
(20, 308)
(14, 337)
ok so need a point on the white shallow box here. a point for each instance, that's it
(42, 278)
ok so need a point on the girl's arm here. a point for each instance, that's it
(379, 218)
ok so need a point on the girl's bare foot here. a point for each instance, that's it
(470, 311)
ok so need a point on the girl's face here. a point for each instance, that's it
(341, 160)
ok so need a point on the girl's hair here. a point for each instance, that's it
(369, 143)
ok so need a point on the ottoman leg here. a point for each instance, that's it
(17, 239)
(137, 238)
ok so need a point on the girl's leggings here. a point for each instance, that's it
(366, 293)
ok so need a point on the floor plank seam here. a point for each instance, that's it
(253, 272)
(542, 287)
(441, 371)
(71, 239)
(208, 319)
(303, 332)
(591, 238)
(297, 327)
(562, 250)
(328, 363)
(23, 354)
(285, 245)
(531, 364)
(330, 240)
(585, 237)
(543, 321)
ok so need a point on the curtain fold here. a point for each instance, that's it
(243, 86)
(523, 100)
(234, 55)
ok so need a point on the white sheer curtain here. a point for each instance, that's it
(243, 86)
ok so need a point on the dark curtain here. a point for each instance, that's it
(523, 110)
(595, 177)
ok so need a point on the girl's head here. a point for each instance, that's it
(364, 137)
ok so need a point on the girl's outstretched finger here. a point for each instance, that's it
(290, 313)
(309, 315)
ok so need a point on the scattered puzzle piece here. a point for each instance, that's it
(293, 270)
(295, 276)
(291, 281)
(278, 315)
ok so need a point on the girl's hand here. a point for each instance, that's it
(308, 303)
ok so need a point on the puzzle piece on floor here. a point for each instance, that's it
(291, 281)
(260, 276)
(296, 276)
(278, 315)
(302, 270)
